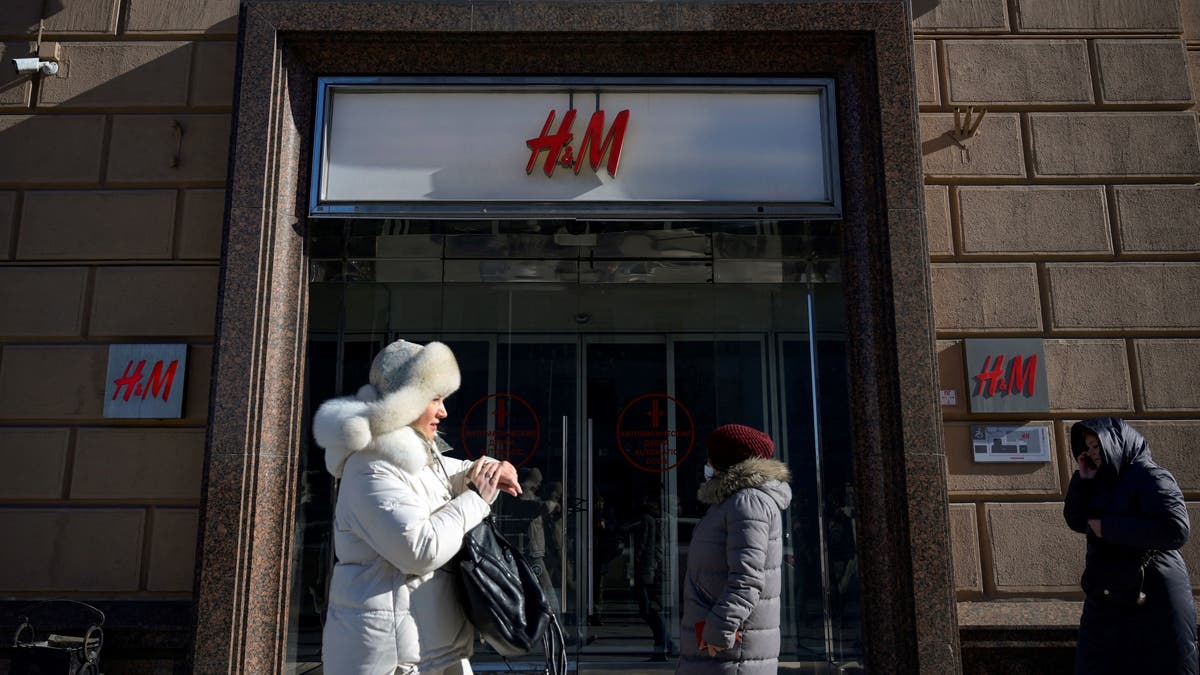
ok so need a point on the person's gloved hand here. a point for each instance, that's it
(712, 650)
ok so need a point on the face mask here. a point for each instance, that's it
(709, 472)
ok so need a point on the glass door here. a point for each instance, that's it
(518, 403)
(607, 434)
(629, 452)
(649, 402)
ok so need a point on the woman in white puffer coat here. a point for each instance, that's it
(402, 510)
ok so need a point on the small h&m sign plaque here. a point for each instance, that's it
(1007, 375)
(145, 381)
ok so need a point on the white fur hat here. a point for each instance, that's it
(404, 378)
(405, 364)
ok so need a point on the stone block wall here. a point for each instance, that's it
(112, 176)
(1072, 215)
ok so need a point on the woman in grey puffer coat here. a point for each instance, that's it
(732, 594)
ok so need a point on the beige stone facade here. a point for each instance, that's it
(1072, 215)
(110, 231)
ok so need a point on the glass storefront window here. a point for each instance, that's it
(597, 356)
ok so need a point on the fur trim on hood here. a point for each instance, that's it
(751, 473)
(341, 427)
(371, 419)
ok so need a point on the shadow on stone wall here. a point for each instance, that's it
(131, 135)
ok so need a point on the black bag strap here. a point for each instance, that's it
(555, 646)
(1147, 556)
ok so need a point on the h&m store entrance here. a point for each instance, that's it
(597, 352)
(599, 372)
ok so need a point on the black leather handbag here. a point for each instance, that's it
(1119, 583)
(502, 598)
(57, 654)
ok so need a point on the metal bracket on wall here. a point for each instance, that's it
(965, 124)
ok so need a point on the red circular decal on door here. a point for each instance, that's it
(514, 436)
(645, 438)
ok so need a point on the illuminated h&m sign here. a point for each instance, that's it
(457, 146)
(557, 145)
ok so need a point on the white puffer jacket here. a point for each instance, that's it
(397, 521)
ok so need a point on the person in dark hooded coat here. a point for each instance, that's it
(1139, 615)
(733, 592)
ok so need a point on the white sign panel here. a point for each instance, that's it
(1004, 443)
(145, 381)
(599, 144)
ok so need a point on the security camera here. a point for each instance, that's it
(34, 65)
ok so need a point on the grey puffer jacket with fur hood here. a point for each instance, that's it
(735, 571)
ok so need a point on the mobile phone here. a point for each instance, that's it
(1087, 461)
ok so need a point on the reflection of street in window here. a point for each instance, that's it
(528, 517)
(649, 553)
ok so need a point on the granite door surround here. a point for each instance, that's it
(245, 551)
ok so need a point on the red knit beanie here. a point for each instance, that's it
(733, 443)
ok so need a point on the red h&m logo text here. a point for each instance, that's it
(1020, 377)
(559, 152)
(158, 381)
